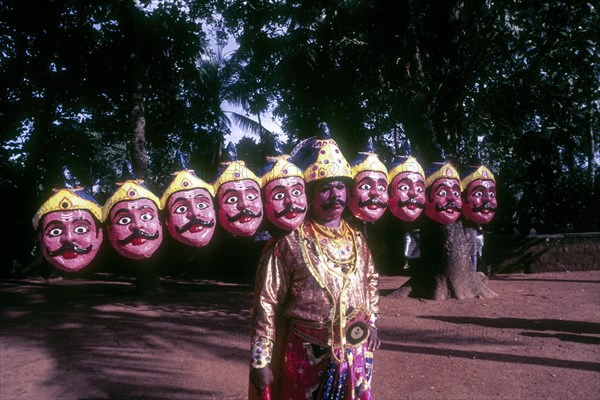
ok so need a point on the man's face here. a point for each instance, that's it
(444, 201)
(480, 201)
(407, 193)
(240, 207)
(134, 228)
(369, 195)
(191, 216)
(285, 202)
(70, 239)
(328, 200)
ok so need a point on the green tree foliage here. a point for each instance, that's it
(512, 84)
(70, 71)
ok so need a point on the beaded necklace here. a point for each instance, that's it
(336, 244)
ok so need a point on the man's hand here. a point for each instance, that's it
(373, 342)
(261, 378)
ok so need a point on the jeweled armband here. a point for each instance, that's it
(262, 350)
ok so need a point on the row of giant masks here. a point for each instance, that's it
(70, 222)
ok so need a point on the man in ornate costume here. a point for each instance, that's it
(316, 297)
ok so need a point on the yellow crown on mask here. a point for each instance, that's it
(330, 162)
(370, 163)
(482, 173)
(409, 165)
(66, 200)
(129, 190)
(446, 171)
(234, 171)
(184, 180)
(282, 168)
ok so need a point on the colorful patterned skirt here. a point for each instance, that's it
(309, 371)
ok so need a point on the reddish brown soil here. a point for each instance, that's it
(83, 339)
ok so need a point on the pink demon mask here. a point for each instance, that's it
(285, 202)
(191, 216)
(240, 207)
(68, 226)
(479, 196)
(444, 198)
(70, 239)
(407, 196)
(132, 220)
(369, 195)
(189, 208)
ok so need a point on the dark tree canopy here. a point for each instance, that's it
(514, 85)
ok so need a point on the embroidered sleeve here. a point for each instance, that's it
(262, 351)
(270, 289)
(373, 282)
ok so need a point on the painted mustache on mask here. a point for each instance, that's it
(483, 207)
(194, 222)
(70, 247)
(411, 201)
(289, 209)
(447, 207)
(333, 203)
(372, 201)
(244, 213)
(138, 233)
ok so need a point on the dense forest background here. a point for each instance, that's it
(510, 84)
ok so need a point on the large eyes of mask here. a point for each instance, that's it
(181, 210)
(124, 221)
(231, 200)
(278, 196)
(146, 217)
(201, 206)
(55, 232)
(80, 230)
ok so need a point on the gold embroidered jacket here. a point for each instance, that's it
(310, 280)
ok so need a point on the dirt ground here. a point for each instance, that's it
(95, 339)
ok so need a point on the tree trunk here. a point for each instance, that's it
(445, 269)
(138, 149)
(147, 273)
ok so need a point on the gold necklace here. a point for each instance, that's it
(336, 244)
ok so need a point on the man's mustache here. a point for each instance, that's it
(138, 233)
(70, 247)
(244, 213)
(411, 201)
(485, 206)
(193, 222)
(333, 203)
(447, 206)
(289, 209)
(372, 201)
